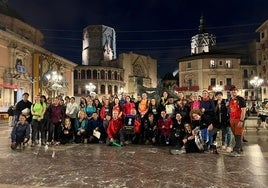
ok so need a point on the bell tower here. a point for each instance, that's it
(203, 41)
(99, 44)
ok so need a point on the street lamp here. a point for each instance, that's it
(53, 80)
(256, 82)
(217, 88)
(91, 88)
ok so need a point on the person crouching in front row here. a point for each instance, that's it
(189, 142)
(20, 133)
(165, 124)
(66, 132)
(80, 127)
(115, 130)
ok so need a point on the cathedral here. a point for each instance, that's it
(110, 74)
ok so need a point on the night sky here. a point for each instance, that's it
(161, 29)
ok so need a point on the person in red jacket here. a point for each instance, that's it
(114, 130)
(132, 127)
(105, 109)
(165, 123)
(127, 107)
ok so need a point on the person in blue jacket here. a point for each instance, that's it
(95, 124)
(80, 127)
(20, 133)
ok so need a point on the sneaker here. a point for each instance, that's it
(223, 147)
(215, 151)
(147, 142)
(177, 151)
(229, 149)
(244, 140)
(13, 146)
(235, 153)
(127, 142)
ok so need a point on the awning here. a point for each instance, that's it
(9, 86)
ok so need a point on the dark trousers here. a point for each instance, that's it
(66, 138)
(37, 127)
(149, 134)
(119, 138)
(80, 138)
(190, 146)
(54, 132)
(238, 143)
(50, 130)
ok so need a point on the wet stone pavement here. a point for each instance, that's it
(98, 165)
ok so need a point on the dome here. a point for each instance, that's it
(6, 10)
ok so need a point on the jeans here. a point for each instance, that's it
(207, 136)
(227, 136)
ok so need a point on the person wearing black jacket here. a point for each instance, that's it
(222, 121)
(204, 123)
(150, 129)
(177, 131)
(23, 107)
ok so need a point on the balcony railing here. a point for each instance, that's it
(227, 87)
(188, 88)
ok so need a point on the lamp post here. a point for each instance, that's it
(217, 88)
(91, 88)
(256, 82)
(54, 80)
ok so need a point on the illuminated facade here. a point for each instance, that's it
(24, 62)
(213, 69)
(262, 58)
(128, 73)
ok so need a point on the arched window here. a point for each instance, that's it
(88, 74)
(138, 70)
(115, 90)
(110, 89)
(115, 75)
(109, 75)
(102, 89)
(95, 74)
(83, 74)
(102, 74)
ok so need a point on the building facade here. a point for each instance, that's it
(210, 72)
(24, 62)
(216, 69)
(262, 58)
(140, 73)
(111, 75)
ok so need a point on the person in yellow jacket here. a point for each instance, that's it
(38, 109)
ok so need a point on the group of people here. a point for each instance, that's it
(189, 125)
